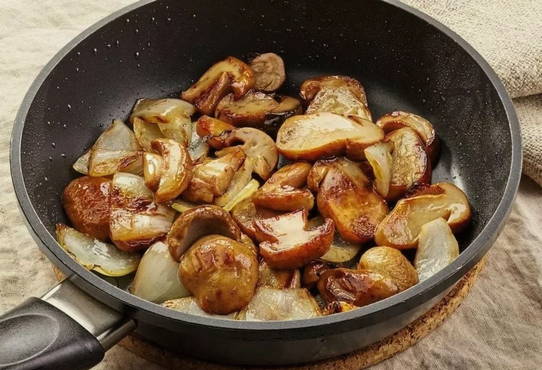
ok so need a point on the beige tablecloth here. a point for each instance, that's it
(500, 323)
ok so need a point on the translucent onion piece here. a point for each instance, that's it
(243, 194)
(156, 279)
(340, 250)
(380, 159)
(437, 248)
(81, 164)
(161, 110)
(131, 186)
(182, 205)
(136, 221)
(198, 147)
(95, 255)
(178, 129)
(145, 133)
(280, 304)
(152, 170)
(116, 148)
(189, 305)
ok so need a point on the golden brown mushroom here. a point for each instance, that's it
(401, 227)
(211, 178)
(269, 72)
(286, 243)
(284, 190)
(319, 135)
(198, 222)
(335, 94)
(230, 74)
(357, 287)
(345, 197)
(396, 120)
(220, 272)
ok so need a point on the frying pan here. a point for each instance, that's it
(406, 61)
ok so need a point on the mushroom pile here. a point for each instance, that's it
(239, 202)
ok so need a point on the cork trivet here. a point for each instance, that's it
(363, 358)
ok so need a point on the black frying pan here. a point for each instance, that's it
(406, 61)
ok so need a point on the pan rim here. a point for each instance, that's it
(373, 313)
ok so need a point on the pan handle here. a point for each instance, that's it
(65, 329)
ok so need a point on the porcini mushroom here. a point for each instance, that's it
(335, 94)
(258, 146)
(198, 222)
(257, 109)
(284, 191)
(396, 120)
(230, 74)
(345, 197)
(211, 178)
(220, 272)
(410, 164)
(320, 135)
(401, 227)
(269, 72)
(286, 242)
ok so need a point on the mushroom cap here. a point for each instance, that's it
(197, 222)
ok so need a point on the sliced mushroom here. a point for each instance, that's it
(87, 202)
(338, 307)
(136, 221)
(94, 254)
(313, 270)
(278, 279)
(319, 135)
(198, 222)
(220, 272)
(437, 248)
(157, 279)
(401, 227)
(245, 213)
(283, 191)
(396, 120)
(257, 109)
(410, 164)
(357, 287)
(230, 74)
(176, 169)
(345, 197)
(392, 263)
(287, 243)
(211, 178)
(258, 146)
(116, 147)
(152, 170)
(335, 94)
(213, 130)
(379, 157)
(280, 304)
(269, 72)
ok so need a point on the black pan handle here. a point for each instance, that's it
(66, 329)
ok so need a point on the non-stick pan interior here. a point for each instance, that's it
(159, 49)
